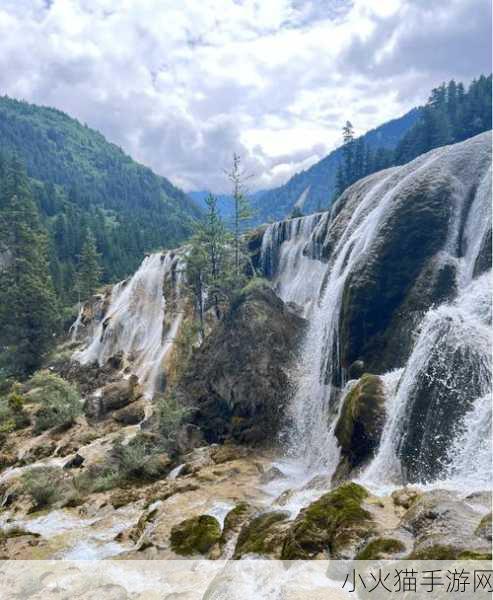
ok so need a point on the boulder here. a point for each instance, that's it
(405, 497)
(271, 475)
(196, 535)
(484, 528)
(113, 396)
(332, 526)
(264, 535)
(445, 527)
(130, 415)
(238, 380)
(360, 424)
(235, 520)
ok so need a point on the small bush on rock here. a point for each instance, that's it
(44, 484)
(171, 415)
(59, 399)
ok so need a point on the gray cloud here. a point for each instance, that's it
(183, 86)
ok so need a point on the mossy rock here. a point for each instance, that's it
(332, 523)
(263, 535)
(380, 549)
(484, 528)
(444, 552)
(195, 536)
(235, 520)
(360, 425)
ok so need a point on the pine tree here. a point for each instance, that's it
(242, 211)
(211, 249)
(89, 273)
(28, 304)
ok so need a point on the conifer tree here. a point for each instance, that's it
(28, 304)
(89, 273)
(242, 211)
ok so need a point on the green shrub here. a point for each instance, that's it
(60, 401)
(12, 413)
(45, 485)
(171, 415)
(96, 479)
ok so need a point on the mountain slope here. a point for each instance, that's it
(81, 181)
(318, 182)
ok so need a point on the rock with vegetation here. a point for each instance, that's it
(381, 549)
(238, 380)
(331, 526)
(196, 535)
(264, 535)
(360, 424)
(484, 528)
(235, 520)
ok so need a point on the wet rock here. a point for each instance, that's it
(319, 482)
(196, 535)
(264, 535)
(484, 528)
(227, 453)
(74, 463)
(238, 380)
(123, 497)
(271, 475)
(113, 396)
(7, 459)
(413, 231)
(235, 520)
(330, 526)
(357, 369)
(360, 424)
(405, 497)
(130, 415)
(444, 527)
(284, 498)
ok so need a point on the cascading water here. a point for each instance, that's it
(460, 326)
(287, 256)
(142, 320)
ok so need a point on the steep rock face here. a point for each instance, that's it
(374, 291)
(398, 273)
(238, 380)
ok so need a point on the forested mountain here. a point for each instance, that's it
(84, 185)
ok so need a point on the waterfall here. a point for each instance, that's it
(142, 320)
(287, 256)
(456, 331)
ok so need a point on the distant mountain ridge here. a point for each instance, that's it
(313, 189)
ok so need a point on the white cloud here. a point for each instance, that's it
(181, 86)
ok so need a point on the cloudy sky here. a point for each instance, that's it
(182, 84)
